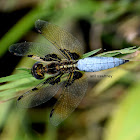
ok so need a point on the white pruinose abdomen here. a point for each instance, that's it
(92, 64)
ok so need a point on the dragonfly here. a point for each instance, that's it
(62, 61)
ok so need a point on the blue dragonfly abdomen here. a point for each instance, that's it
(92, 64)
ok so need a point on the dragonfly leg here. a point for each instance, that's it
(72, 77)
(56, 79)
(53, 80)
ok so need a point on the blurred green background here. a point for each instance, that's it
(111, 108)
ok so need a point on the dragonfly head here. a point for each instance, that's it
(38, 70)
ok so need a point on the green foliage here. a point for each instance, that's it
(15, 77)
(118, 52)
(86, 122)
(125, 122)
(112, 53)
(90, 53)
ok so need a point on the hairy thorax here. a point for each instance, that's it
(64, 66)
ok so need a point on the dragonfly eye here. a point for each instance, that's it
(38, 70)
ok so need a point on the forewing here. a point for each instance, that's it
(59, 37)
(31, 49)
(69, 100)
(38, 95)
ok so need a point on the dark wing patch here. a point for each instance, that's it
(59, 37)
(40, 94)
(69, 100)
(34, 50)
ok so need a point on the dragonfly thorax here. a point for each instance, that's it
(62, 66)
(38, 70)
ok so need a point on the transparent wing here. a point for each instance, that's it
(38, 95)
(31, 49)
(59, 37)
(69, 100)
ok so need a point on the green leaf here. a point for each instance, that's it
(112, 53)
(15, 77)
(21, 82)
(129, 50)
(24, 69)
(90, 53)
(117, 52)
(125, 124)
